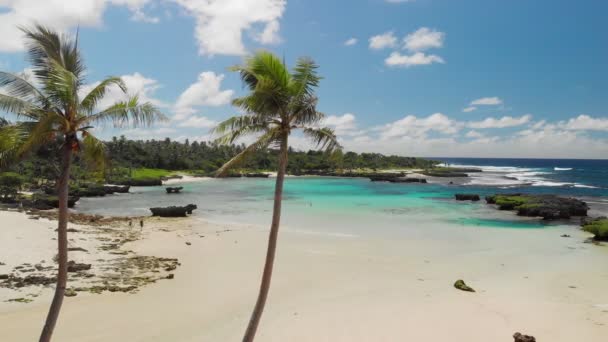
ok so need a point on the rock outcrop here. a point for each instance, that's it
(174, 190)
(467, 197)
(173, 211)
(549, 207)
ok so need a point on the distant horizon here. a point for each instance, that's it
(420, 76)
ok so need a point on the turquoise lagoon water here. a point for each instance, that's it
(324, 205)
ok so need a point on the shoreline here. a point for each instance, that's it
(349, 288)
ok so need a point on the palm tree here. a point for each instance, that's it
(54, 112)
(279, 102)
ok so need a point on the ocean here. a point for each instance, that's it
(356, 206)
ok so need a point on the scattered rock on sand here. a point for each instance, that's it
(77, 267)
(523, 338)
(461, 285)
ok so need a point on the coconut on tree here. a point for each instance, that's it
(50, 109)
(280, 101)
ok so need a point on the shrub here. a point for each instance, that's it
(10, 184)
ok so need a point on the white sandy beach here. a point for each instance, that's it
(330, 288)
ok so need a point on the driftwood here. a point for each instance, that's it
(173, 211)
(174, 190)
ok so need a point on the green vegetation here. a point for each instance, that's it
(512, 202)
(597, 227)
(10, 184)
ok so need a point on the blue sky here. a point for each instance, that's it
(489, 78)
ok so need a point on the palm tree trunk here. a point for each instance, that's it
(272, 246)
(62, 244)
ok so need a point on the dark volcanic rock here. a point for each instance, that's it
(549, 207)
(467, 197)
(173, 211)
(523, 338)
(256, 175)
(174, 190)
(121, 189)
(77, 267)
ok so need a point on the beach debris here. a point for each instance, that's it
(467, 197)
(565, 235)
(523, 338)
(461, 285)
(20, 300)
(174, 189)
(77, 267)
(76, 249)
(173, 211)
(70, 292)
(549, 207)
(188, 243)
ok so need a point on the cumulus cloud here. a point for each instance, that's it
(396, 59)
(197, 122)
(474, 134)
(585, 122)
(469, 109)
(383, 41)
(413, 126)
(505, 121)
(220, 24)
(206, 91)
(487, 101)
(58, 14)
(350, 42)
(423, 39)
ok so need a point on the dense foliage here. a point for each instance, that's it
(138, 158)
(208, 157)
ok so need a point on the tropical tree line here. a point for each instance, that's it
(202, 158)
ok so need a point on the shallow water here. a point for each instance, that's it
(325, 205)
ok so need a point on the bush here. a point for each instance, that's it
(597, 227)
(10, 184)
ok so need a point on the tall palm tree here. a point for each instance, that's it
(54, 111)
(279, 102)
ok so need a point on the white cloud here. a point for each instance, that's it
(59, 14)
(505, 121)
(474, 134)
(220, 23)
(469, 109)
(412, 126)
(418, 58)
(206, 91)
(585, 122)
(137, 84)
(487, 101)
(382, 41)
(197, 122)
(350, 42)
(423, 39)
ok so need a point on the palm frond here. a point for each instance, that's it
(12, 138)
(92, 98)
(62, 87)
(324, 138)
(237, 126)
(19, 87)
(305, 77)
(43, 131)
(125, 112)
(93, 151)
(19, 107)
(303, 111)
(261, 143)
(45, 44)
(263, 64)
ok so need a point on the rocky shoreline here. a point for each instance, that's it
(100, 259)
